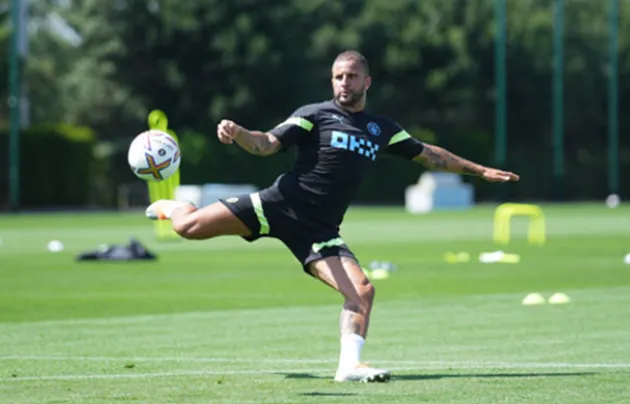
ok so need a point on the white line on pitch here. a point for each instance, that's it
(163, 374)
(423, 364)
(243, 372)
(162, 359)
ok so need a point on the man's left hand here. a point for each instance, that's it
(494, 175)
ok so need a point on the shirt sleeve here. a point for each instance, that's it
(403, 145)
(300, 123)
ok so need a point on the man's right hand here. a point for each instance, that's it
(228, 130)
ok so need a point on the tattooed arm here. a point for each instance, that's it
(437, 158)
(257, 143)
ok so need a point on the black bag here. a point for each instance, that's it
(117, 252)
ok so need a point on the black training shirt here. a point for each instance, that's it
(335, 151)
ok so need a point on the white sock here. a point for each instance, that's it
(350, 354)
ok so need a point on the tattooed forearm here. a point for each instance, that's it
(258, 143)
(440, 159)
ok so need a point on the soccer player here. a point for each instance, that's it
(337, 142)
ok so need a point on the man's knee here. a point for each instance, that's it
(367, 293)
(190, 227)
(184, 228)
(364, 297)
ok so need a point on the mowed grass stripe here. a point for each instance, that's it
(243, 324)
(32, 237)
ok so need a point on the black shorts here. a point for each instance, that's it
(268, 214)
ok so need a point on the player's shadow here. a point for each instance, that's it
(433, 376)
(316, 393)
(320, 394)
(488, 375)
(303, 376)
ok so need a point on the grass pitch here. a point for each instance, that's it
(225, 321)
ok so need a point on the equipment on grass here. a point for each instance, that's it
(55, 246)
(116, 252)
(559, 298)
(455, 258)
(380, 269)
(379, 274)
(503, 215)
(157, 120)
(499, 257)
(533, 299)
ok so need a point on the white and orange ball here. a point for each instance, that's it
(154, 155)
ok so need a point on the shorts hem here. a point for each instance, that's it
(240, 216)
(327, 253)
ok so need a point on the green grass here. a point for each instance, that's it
(225, 321)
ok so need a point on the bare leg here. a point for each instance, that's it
(199, 224)
(346, 276)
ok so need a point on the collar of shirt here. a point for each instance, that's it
(343, 111)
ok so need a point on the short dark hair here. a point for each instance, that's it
(354, 56)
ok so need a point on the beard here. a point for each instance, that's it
(351, 99)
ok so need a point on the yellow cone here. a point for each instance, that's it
(510, 258)
(450, 257)
(454, 258)
(533, 299)
(380, 274)
(559, 298)
(463, 257)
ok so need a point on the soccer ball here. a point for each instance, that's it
(154, 155)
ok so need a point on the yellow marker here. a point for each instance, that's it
(533, 299)
(503, 215)
(380, 274)
(455, 258)
(510, 258)
(450, 257)
(463, 257)
(163, 189)
(558, 298)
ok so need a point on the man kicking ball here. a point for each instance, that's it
(337, 143)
